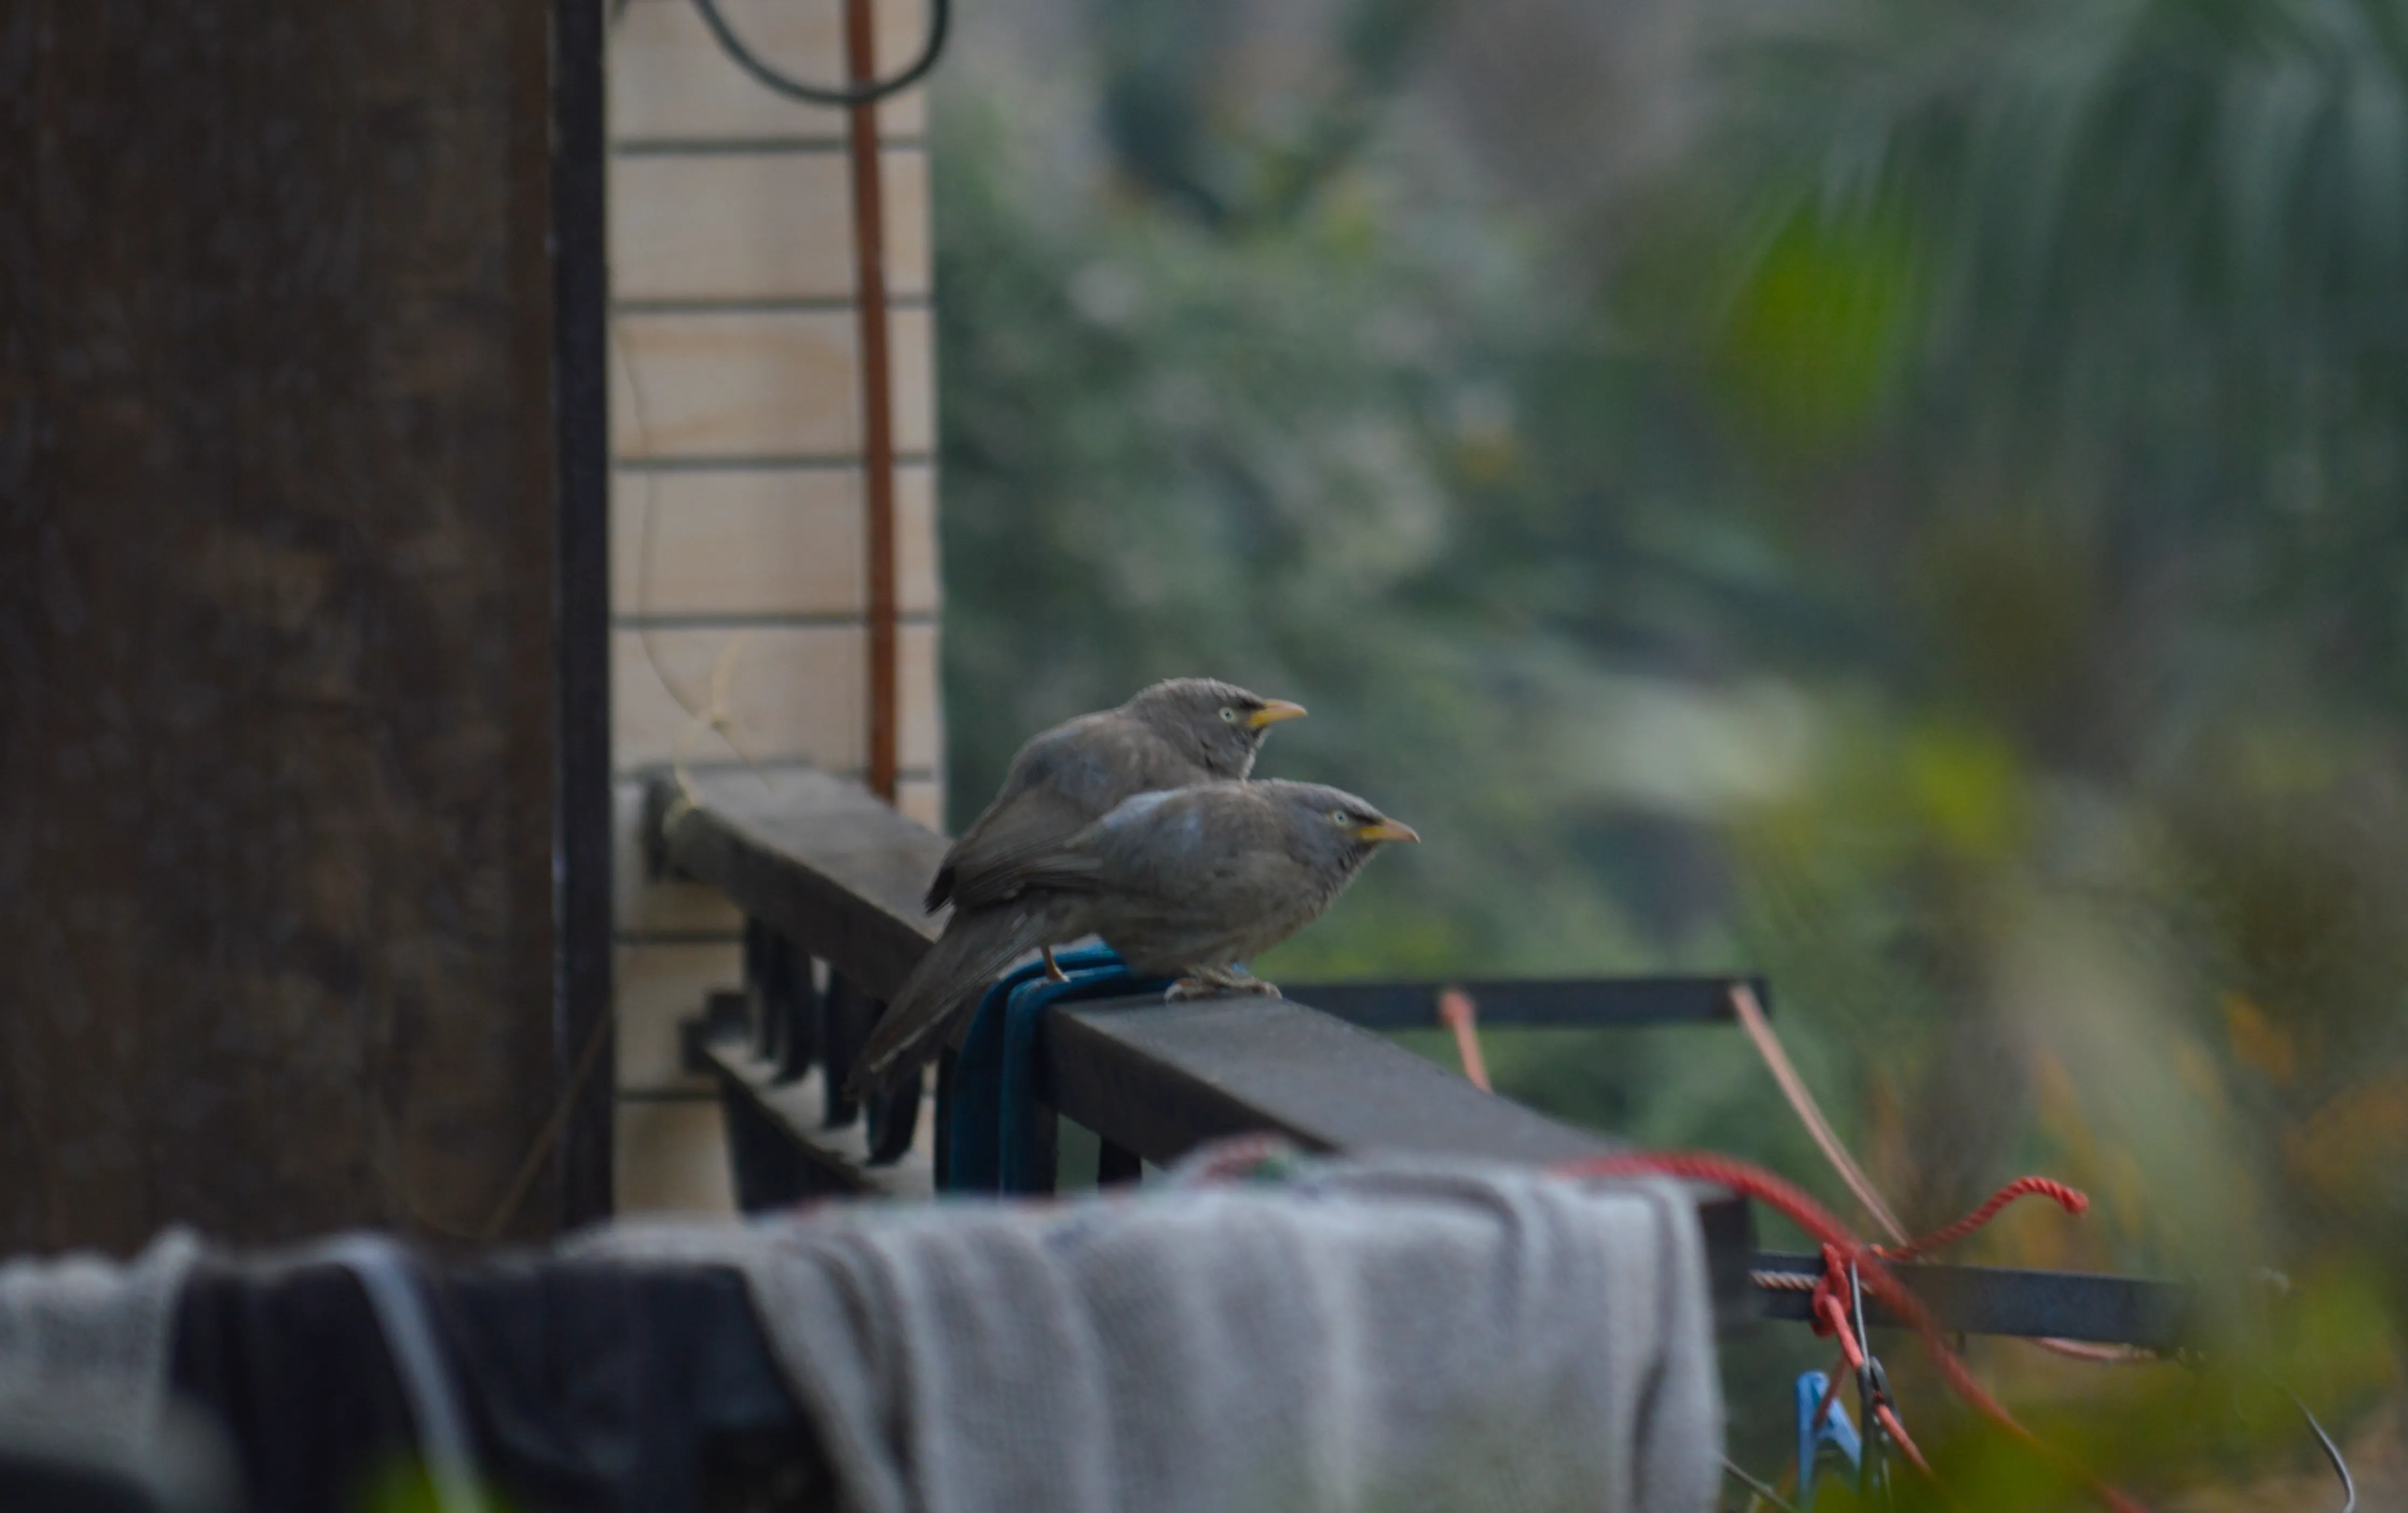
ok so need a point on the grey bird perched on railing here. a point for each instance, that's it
(1190, 883)
(1176, 733)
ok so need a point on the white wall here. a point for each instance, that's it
(737, 541)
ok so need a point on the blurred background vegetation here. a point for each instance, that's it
(1905, 496)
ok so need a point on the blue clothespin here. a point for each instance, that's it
(991, 1119)
(1837, 1431)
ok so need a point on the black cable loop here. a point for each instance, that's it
(940, 15)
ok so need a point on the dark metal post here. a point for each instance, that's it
(1116, 1164)
(795, 1001)
(894, 1118)
(845, 1022)
(580, 396)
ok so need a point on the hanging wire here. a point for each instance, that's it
(2332, 1453)
(941, 16)
(1761, 1489)
(1872, 1396)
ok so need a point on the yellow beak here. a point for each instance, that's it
(1273, 712)
(1388, 830)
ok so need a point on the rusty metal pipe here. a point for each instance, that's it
(877, 400)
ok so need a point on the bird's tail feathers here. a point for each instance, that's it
(972, 953)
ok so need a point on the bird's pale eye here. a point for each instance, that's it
(1228, 716)
(1341, 819)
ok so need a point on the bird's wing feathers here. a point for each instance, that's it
(984, 864)
(1021, 804)
(1201, 877)
(1060, 782)
(1058, 867)
(1157, 843)
(1193, 844)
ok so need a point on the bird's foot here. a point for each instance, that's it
(1054, 969)
(1256, 986)
(1186, 988)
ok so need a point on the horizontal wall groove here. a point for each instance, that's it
(774, 764)
(757, 304)
(777, 619)
(706, 461)
(727, 147)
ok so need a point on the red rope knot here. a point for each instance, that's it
(1830, 1303)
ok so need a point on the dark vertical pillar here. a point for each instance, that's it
(582, 280)
(299, 550)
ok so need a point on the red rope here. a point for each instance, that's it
(1841, 1248)
(1768, 1045)
(1459, 1013)
(2069, 1199)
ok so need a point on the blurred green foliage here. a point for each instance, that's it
(404, 1484)
(1948, 551)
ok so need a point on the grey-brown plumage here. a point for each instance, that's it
(1189, 883)
(1184, 731)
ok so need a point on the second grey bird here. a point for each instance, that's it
(1190, 883)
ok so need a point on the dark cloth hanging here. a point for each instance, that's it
(587, 1387)
(297, 1374)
